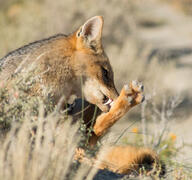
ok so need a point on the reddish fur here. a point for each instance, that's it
(124, 159)
(121, 159)
(121, 107)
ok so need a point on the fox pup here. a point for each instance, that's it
(66, 65)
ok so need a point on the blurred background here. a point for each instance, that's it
(148, 40)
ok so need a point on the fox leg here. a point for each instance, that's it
(130, 96)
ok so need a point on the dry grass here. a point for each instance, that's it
(48, 154)
(130, 36)
(37, 140)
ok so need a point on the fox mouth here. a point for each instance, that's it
(107, 101)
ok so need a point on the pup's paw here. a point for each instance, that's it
(137, 89)
(133, 92)
(136, 86)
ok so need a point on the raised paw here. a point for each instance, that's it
(137, 89)
(133, 93)
(130, 96)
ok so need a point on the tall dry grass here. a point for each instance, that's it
(37, 140)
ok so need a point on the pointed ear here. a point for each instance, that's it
(91, 31)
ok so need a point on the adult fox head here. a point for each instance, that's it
(93, 65)
(61, 60)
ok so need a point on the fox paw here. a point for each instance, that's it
(133, 92)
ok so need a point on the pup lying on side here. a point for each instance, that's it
(118, 159)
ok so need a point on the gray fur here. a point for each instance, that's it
(10, 62)
(28, 49)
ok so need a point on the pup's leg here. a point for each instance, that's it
(130, 96)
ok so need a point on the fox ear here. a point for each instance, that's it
(91, 31)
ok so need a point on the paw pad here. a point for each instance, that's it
(137, 86)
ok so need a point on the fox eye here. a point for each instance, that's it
(105, 74)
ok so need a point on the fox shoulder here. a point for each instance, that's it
(13, 59)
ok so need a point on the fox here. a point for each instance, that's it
(76, 64)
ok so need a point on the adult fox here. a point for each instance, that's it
(67, 64)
